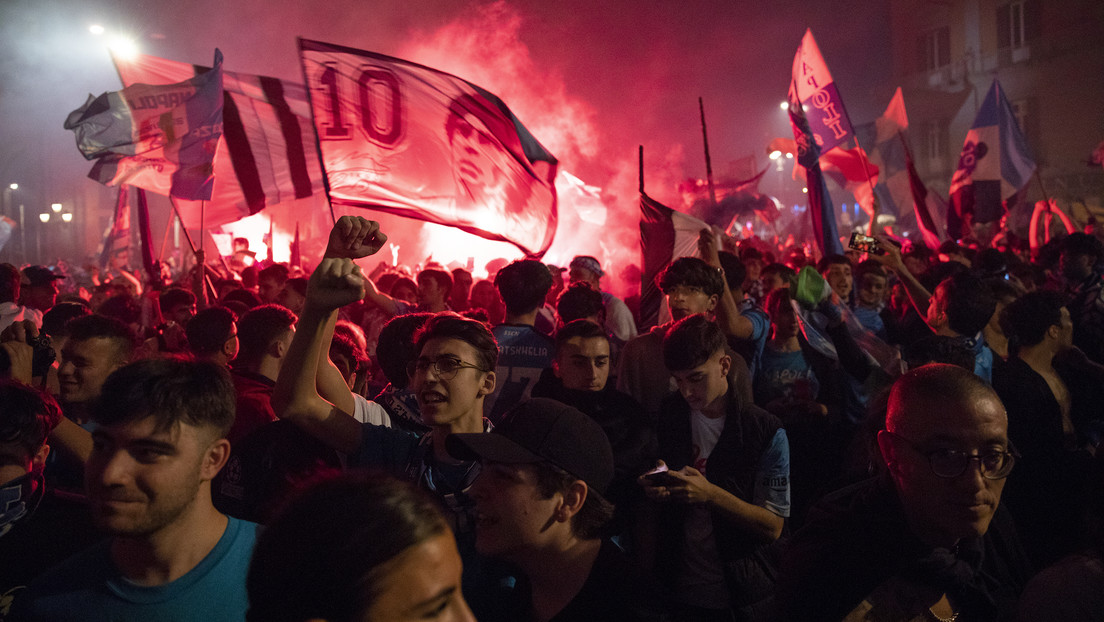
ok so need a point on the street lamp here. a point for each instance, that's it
(44, 217)
(12, 187)
(56, 207)
(67, 217)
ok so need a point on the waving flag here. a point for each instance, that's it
(406, 139)
(852, 169)
(116, 244)
(267, 153)
(665, 235)
(161, 137)
(901, 184)
(823, 107)
(811, 82)
(995, 164)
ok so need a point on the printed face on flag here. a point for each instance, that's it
(410, 140)
(480, 166)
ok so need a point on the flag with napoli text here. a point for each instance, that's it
(266, 154)
(819, 123)
(159, 137)
(406, 139)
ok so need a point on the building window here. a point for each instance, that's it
(935, 141)
(1017, 23)
(1022, 109)
(934, 49)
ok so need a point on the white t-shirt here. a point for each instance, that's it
(366, 411)
(700, 576)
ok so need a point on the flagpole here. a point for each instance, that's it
(873, 197)
(640, 161)
(708, 162)
(198, 254)
(317, 139)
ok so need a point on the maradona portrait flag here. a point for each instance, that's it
(159, 137)
(410, 140)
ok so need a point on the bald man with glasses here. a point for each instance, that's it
(927, 539)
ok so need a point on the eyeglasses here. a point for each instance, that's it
(952, 463)
(445, 367)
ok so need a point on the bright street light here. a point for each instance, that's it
(67, 217)
(56, 207)
(13, 186)
(124, 47)
(44, 217)
(774, 155)
(784, 105)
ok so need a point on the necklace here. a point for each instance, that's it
(952, 618)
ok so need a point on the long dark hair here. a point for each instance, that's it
(324, 553)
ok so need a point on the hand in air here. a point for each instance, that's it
(354, 237)
(336, 282)
(707, 246)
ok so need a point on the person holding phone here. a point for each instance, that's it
(726, 493)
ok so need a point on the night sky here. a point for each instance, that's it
(592, 80)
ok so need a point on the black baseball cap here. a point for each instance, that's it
(543, 430)
(40, 275)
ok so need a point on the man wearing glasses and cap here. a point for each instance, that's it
(928, 539)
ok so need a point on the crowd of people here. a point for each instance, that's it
(908, 434)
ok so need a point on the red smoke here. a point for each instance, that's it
(485, 48)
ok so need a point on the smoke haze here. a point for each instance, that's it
(591, 80)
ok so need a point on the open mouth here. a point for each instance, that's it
(432, 397)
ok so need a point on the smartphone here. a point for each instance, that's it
(660, 476)
(866, 244)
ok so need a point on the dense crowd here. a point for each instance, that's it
(908, 434)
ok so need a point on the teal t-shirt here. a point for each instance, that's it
(785, 375)
(89, 588)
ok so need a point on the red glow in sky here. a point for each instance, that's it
(591, 80)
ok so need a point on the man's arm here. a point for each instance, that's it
(918, 295)
(335, 283)
(389, 305)
(731, 321)
(296, 398)
(688, 485)
(347, 239)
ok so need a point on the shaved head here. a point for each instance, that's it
(930, 393)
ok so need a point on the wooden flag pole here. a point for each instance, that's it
(873, 197)
(708, 162)
(210, 286)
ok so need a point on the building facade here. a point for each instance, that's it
(1049, 58)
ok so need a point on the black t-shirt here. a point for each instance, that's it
(615, 591)
(59, 528)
